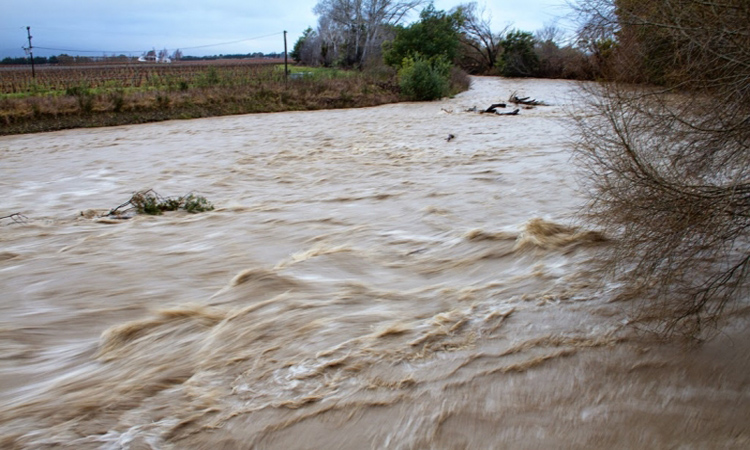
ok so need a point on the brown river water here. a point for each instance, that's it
(362, 283)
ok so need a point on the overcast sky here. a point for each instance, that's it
(198, 27)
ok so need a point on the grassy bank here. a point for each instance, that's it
(64, 98)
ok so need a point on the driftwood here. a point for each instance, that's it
(515, 99)
(493, 107)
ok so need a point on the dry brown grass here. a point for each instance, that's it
(214, 93)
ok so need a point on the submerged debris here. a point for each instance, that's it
(150, 202)
(16, 218)
(493, 109)
(515, 99)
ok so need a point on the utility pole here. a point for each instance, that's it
(286, 64)
(31, 53)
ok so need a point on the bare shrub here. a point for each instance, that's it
(460, 80)
(667, 166)
(560, 60)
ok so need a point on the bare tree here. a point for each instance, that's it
(551, 56)
(597, 20)
(668, 165)
(478, 36)
(359, 24)
(330, 37)
(381, 14)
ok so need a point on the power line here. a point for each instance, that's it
(233, 42)
(141, 51)
(89, 51)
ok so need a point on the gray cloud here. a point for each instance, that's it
(139, 25)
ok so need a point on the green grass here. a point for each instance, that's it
(328, 73)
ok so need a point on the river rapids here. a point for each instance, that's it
(364, 282)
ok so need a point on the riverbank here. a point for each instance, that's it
(68, 97)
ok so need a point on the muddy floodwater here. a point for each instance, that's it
(363, 282)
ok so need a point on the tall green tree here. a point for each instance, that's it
(519, 58)
(435, 35)
(296, 52)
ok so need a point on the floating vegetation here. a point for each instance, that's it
(151, 203)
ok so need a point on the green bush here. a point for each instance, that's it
(118, 100)
(519, 58)
(147, 203)
(209, 78)
(77, 91)
(196, 203)
(84, 96)
(162, 100)
(422, 79)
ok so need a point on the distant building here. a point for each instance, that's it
(153, 56)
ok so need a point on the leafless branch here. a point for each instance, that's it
(668, 167)
(16, 218)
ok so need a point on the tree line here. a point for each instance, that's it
(368, 33)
